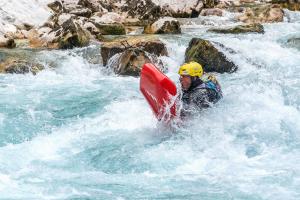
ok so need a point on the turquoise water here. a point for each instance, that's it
(75, 131)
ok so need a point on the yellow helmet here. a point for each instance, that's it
(191, 69)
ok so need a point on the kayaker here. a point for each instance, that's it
(197, 94)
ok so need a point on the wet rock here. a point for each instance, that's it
(247, 28)
(212, 60)
(262, 14)
(17, 66)
(132, 60)
(166, 25)
(7, 42)
(151, 45)
(212, 11)
(294, 43)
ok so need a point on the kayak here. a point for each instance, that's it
(159, 91)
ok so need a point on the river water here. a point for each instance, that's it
(75, 131)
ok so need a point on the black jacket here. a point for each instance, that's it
(197, 97)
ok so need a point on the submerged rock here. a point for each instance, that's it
(151, 45)
(17, 66)
(131, 61)
(166, 25)
(294, 43)
(262, 14)
(212, 60)
(248, 28)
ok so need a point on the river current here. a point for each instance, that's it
(76, 131)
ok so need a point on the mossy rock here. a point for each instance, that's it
(111, 29)
(212, 60)
(248, 28)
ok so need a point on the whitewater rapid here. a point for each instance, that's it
(75, 131)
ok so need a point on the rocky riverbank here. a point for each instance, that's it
(75, 23)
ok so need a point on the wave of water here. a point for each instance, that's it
(76, 132)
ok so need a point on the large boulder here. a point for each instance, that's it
(18, 66)
(69, 35)
(151, 45)
(212, 60)
(109, 24)
(72, 35)
(166, 25)
(245, 28)
(131, 61)
(7, 42)
(262, 14)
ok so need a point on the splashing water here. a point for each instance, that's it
(75, 132)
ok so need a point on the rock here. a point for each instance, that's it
(56, 7)
(248, 28)
(62, 19)
(84, 12)
(182, 9)
(293, 5)
(166, 25)
(93, 5)
(151, 45)
(72, 35)
(132, 60)
(210, 3)
(17, 66)
(111, 29)
(262, 14)
(212, 11)
(7, 42)
(107, 18)
(294, 43)
(69, 35)
(212, 60)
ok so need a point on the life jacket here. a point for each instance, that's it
(212, 83)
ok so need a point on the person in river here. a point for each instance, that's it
(197, 93)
